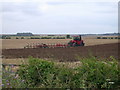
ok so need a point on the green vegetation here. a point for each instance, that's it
(48, 37)
(58, 37)
(17, 38)
(6, 37)
(34, 37)
(108, 37)
(98, 74)
(68, 36)
(22, 37)
(39, 73)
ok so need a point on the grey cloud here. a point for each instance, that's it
(8, 7)
(25, 8)
(75, 17)
(106, 12)
(56, 3)
(105, 3)
(30, 8)
(106, 7)
(64, 2)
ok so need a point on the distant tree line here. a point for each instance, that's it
(24, 34)
(10, 37)
(35, 37)
(47, 37)
(6, 37)
(108, 37)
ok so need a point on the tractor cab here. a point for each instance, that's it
(77, 41)
(77, 38)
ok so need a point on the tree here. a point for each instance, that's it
(67, 36)
(17, 38)
(3, 37)
(22, 37)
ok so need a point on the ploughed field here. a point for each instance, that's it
(65, 54)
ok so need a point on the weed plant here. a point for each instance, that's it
(11, 80)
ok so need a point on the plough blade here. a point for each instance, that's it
(47, 46)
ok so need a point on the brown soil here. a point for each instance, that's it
(65, 54)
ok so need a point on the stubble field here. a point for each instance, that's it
(20, 43)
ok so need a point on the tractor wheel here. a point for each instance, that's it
(70, 44)
(74, 44)
(82, 44)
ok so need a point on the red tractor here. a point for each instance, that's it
(77, 41)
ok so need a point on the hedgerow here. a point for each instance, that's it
(92, 73)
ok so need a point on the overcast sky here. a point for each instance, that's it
(59, 16)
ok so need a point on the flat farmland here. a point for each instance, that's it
(72, 54)
(13, 49)
(20, 43)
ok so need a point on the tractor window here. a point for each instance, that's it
(76, 38)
